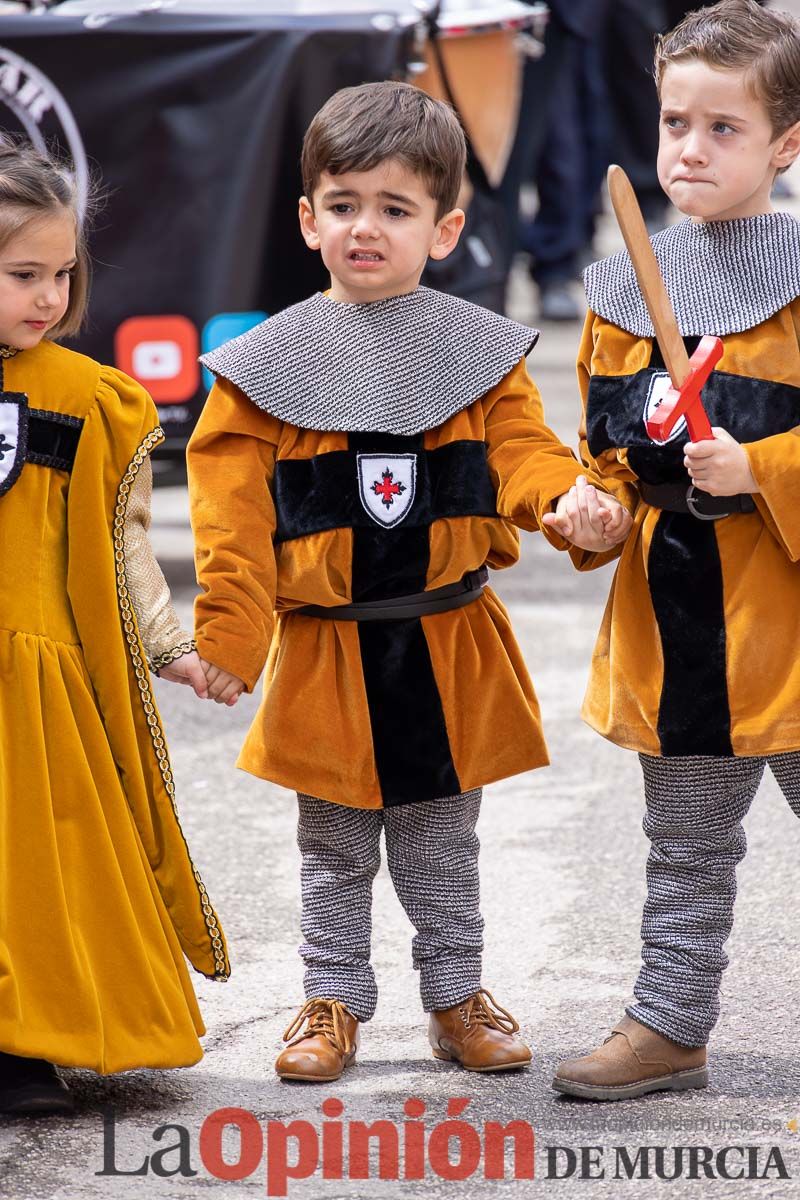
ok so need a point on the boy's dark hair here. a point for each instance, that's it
(361, 127)
(33, 186)
(741, 35)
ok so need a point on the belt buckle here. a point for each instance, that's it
(692, 500)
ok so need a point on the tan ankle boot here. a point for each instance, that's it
(632, 1061)
(478, 1036)
(325, 1047)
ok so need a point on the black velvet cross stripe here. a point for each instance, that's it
(409, 734)
(685, 579)
(749, 409)
(313, 494)
(683, 570)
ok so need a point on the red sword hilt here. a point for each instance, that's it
(687, 401)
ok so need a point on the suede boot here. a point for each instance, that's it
(324, 1048)
(32, 1087)
(634, 1060)
(479, 1034)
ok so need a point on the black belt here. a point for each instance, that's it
(400, 608)
(677, 497)
(52, 439)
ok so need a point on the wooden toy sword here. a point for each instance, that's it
(688, 375)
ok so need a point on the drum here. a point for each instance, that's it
(483, 44)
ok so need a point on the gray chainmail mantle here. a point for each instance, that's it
(401, 365)
(722, 276)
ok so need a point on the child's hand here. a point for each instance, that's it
(588, 518)
(618, 526)
(223, 687)
(187, 669)
(721, 467)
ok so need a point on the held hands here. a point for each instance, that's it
(721, 467)
(207, 681)
(187, 669)
(223, 687)
(588, 518)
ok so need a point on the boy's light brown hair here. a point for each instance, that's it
(741, 35)
(361, 127)
(34, 185)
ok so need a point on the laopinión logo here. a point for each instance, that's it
(43, 113)
(665, 1162)
(233, 1144)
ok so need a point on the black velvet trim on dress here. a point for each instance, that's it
(53, 439)
(749, 409)
(685, 580)
(409, 735)
(319, 493)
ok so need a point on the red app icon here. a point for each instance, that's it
(161, 352)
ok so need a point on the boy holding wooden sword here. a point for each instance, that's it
(712, 560)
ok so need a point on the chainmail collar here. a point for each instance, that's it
(400, 365)
(721, 276)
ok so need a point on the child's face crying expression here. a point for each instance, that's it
(376, 230)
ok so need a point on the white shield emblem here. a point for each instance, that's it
(659, 386)
(13, 437)
(386, 484)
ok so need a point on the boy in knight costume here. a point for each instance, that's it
(711, 563)
(361, 457)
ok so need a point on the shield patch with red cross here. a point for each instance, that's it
(387, 484)
(659, 386)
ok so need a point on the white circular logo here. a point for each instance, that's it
(659, 386)
(37, 104)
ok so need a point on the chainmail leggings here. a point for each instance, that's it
(695, 808)
(432, 854)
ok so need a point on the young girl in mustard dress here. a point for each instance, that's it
(99, 899)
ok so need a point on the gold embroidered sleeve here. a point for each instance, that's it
(163, 638)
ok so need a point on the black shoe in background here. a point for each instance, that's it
(32, 1087)
(557, 303)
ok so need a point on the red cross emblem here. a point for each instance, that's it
(387, 485)
(387, 489)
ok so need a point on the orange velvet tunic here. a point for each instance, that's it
(697, 649)
(369, 714)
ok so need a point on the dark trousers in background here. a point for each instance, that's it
(629, 46)
(539, 81)
(571, 166)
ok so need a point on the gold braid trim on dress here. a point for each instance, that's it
(163, 660)
(160, 630)
(153, 439)
(8, 351)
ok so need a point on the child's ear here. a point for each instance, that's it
(787, 147)
(308, 223)
(448, 231)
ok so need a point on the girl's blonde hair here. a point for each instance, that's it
(34, 185)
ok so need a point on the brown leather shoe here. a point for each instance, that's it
(478, 1036)
(325, 1047)
(632, 1061)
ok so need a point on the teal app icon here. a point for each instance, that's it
(221, 328)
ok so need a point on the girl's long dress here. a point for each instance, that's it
(98, 897)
